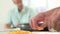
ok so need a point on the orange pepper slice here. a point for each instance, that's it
(19, 32)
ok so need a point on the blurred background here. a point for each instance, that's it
(38, 5)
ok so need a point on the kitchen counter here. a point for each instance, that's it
(35, 32)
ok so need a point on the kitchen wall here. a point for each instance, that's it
(5, 5)
(53, 4)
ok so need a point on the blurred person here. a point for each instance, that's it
(50, 18)
(18, 15)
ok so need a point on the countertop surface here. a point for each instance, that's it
(32, 32)
(35, 32)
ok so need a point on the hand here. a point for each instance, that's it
(32, 23)
(35, 20)
(6, 26)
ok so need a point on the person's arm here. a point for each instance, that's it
(45, 17)
(53, 20)
(50, 12)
